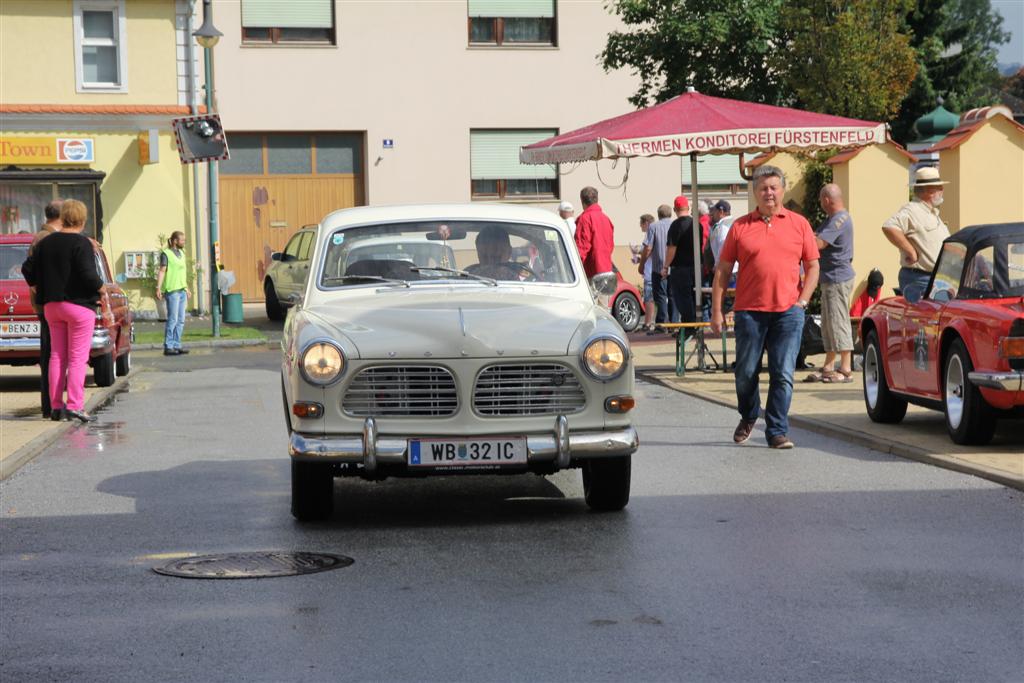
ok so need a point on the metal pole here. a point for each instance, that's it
(193, 105)
(695, 215)
(212, 210)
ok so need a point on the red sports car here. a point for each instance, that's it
(111, 352)
(627, 305)
(960, 349)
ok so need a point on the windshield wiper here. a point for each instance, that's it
(366, 278)
(453, 271)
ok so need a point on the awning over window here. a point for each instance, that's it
(287, 14)
(495, 154)
(512, 8)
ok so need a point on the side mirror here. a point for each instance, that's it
(276, 256)
(605, 284)
(294, 299)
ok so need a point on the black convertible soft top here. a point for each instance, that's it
(983, 235)
(1006, 278)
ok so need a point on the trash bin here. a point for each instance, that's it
(231, 308)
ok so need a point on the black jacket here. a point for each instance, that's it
(63, 268)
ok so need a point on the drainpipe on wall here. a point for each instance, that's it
(193, 106)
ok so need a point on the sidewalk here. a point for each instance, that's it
(838, 410)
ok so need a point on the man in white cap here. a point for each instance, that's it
(566, 210)
(918, 232)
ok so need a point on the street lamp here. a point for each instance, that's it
(207, 36)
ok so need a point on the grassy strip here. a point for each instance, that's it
(194, 335)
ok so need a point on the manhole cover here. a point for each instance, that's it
(252, 565)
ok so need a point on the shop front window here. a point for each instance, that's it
(22, 204)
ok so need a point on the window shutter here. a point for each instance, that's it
(512, 8)
(287, 14)
(714, 169)
(494, 155)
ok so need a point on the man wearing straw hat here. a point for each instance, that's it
(918, 232)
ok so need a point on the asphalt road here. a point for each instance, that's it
(826, 563)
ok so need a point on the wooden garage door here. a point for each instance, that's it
(274, 184)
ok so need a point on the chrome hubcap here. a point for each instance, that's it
(954, 391)
(872, 375)
(626, 313)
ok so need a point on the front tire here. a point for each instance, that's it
(606, 483)
(969, 419)
(312, 491)
(103, 370)
(883, 405)
(272, 303)
(626, 310)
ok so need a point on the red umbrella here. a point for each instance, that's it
(692, 124)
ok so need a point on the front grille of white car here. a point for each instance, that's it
(401, 391)
(528, 389)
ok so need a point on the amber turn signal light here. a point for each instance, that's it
(619, 404)
(307, 410)
(1011, 347)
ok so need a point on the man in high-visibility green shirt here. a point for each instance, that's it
(172, 285)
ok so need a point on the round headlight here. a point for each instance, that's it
(605, 359)
(322, 362)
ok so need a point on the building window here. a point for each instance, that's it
(101, 61)
(512, 22)
(318, 154)
(22, 202)
(495, 169)
(288, 21)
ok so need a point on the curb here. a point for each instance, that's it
(26, 453)
(212, 344)
(860, 438)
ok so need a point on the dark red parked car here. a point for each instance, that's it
(960, 349)
(628, 304)
(111, 353)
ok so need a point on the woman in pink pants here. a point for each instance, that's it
(63, 270)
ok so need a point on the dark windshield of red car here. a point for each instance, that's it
(11, 258)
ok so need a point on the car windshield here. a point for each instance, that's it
(488, 252)
(11, 258)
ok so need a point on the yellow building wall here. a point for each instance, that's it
(140, 203)
(987, 176)
(37, 54)
(874, 184)
(790, 166)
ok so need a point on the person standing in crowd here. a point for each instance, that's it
(172, 285)
(63, 270)
(721, 221)
(645, 223)
(918, 232)
(595, 237)
(52, 225)
(679, 266)
(655, 244)
(704, 217)
(835, 244)
(871, 294)
(566, 211)
(770, 245)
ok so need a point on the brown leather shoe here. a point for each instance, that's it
(743, 430)
(780, 441)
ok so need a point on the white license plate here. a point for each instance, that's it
(19, 329)
(467, 453)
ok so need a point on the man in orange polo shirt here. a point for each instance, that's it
(770, 245)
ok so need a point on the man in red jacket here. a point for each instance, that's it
(595, 235)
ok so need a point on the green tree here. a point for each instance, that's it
(956, 42)
(848, 59)
(720, 47)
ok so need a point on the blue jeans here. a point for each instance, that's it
(665, 312)
(175, 318)
(913, 282)
(780, 333)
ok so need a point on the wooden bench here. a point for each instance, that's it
(695, 331)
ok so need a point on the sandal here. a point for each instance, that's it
(837, 377)
(815, 377)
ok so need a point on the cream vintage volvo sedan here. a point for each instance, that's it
(451, 339)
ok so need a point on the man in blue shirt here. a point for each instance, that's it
(655, 244)
(835, 242)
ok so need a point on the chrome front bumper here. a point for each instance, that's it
(561, 447)
(101, 341)
(1003, 381)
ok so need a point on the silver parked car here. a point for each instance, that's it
(438, 340)
(286, 276)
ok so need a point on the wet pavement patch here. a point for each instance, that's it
(252, 565)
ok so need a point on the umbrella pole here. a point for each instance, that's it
(695, 215)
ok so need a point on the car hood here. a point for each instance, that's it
(503, 321)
